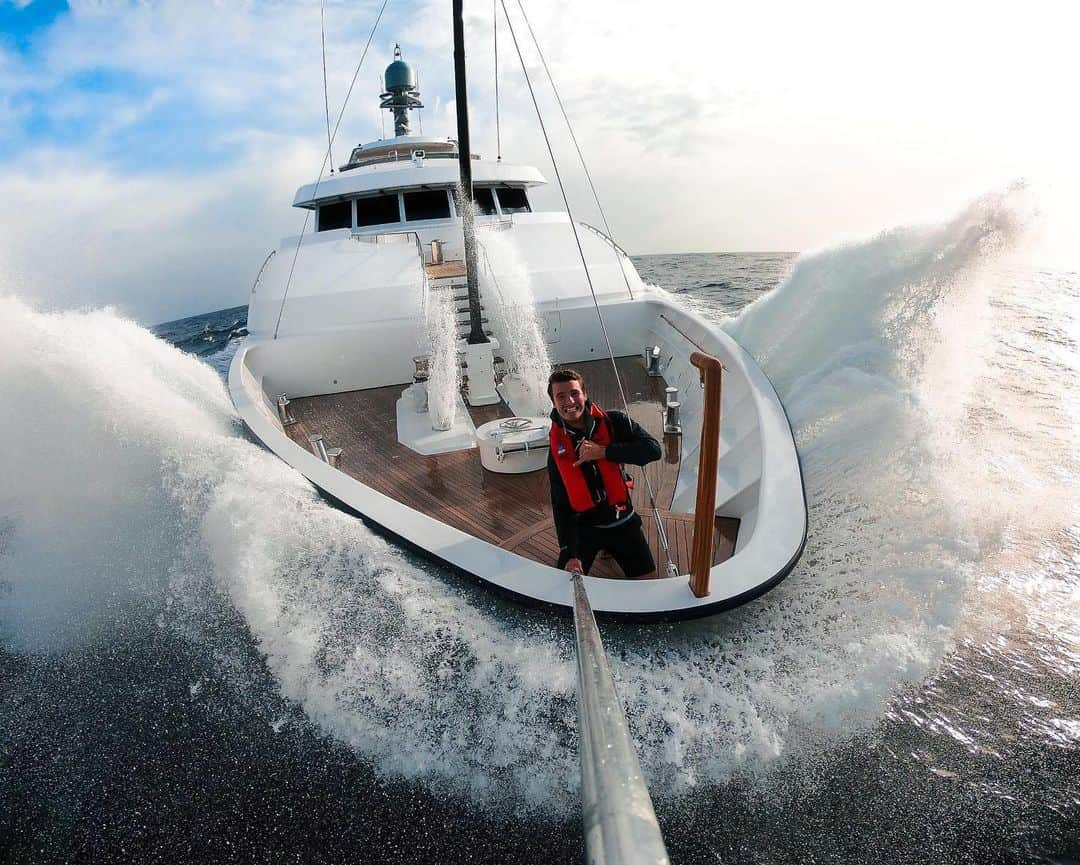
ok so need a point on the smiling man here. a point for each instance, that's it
(590, 499)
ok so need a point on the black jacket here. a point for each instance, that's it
(630, 443)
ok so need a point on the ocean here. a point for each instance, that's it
(201, 661)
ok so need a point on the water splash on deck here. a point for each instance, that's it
(507, 289)
(444, 370)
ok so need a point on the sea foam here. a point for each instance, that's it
(129, 481)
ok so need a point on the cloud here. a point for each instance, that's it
(163, 141)
(81, 234)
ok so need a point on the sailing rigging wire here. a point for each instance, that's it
(325, 95)
(662, 534)
(498, 131)
(322, 169)
(577, 147)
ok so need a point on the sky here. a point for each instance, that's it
(149, 151)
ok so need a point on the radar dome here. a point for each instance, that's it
(400, 76)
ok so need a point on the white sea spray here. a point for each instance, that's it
(507, 289)
(444, 370)
(137, 483)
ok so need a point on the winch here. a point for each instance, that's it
(514, 445)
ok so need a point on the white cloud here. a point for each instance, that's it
(759, 126)
(79, 234)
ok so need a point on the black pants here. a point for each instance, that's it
(625, 543)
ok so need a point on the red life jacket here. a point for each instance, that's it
(573, 478)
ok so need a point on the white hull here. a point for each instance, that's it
(759, 478)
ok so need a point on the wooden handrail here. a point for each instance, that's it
(711, 371)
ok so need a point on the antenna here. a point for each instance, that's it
(401, 95)
(382, 117)
(419, 112)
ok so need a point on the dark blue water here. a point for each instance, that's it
(163, 735)
(207, 334)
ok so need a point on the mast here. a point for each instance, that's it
(468, 215)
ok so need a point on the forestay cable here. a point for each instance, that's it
(662, 534)
(325, 95)
(322, 170)
(498, 131)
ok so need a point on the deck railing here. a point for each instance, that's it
(619, 822)
(607, 239)
(259, 275)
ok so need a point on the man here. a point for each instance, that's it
(590, 500)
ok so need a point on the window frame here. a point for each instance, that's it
(352, 215)
(382, 194)
(451, 212)
(521, 189)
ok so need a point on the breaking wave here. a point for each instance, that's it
(135, 484)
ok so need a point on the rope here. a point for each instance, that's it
(322, 169)
(662, 534)
(325, 96)
(577, 147)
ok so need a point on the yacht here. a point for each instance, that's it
(398, 355)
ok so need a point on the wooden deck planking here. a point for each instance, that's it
(445, 270)
(512, 511)
(678, 527)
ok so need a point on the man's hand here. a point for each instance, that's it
(574, 566)
(589, 451)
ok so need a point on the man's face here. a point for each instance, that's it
(569, 399)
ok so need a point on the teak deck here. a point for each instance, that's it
(445, 270)
(509, 511)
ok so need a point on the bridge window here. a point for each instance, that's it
(336, 215)
(513, 200)
(377, 210)
(485, 200)
(428, 204)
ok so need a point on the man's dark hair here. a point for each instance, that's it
(564, 375)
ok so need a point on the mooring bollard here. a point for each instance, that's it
(672, 424)
(283, 411)
(319, 447)
(652, 361)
